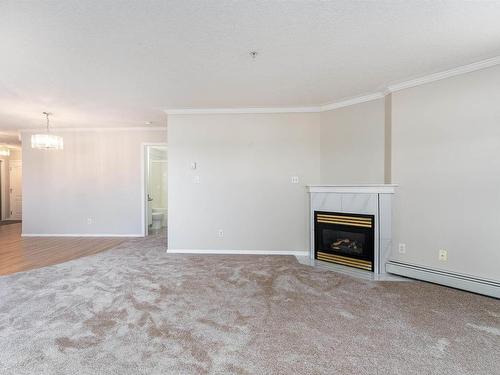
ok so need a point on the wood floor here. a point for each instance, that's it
(23, 253)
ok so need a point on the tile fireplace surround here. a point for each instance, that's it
(373, 200)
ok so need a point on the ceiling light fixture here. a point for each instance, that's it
(47, 141)
(4, 151)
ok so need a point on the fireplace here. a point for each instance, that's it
(344, 238)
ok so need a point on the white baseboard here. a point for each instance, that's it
(79, 235)
(455, 280)
(238, 252)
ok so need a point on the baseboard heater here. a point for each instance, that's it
(455, 280)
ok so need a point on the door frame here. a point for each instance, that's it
(144, 194)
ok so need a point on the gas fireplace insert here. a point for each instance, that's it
(344, 238)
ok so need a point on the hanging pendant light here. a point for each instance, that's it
(4, 151)
(47, 141)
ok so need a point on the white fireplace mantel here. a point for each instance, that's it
(357, 189)
(369, 199)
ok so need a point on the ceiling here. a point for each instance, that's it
(101, 63)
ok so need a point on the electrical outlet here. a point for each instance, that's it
(294, 179)
(220, 233)
(196, 179)
(443, 255)
(90, 221)
(402, 248)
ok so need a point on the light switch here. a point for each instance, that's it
(294, 180)
(196, 179)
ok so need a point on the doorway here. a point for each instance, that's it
(11, 195)
(3, 190)
(155, 189)
(15, 190)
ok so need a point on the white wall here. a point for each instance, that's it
(97, 176)
(352, 144)
(245, 163)
(446, 159)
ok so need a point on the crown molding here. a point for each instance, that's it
(268, 110)
(353, 101)
(213, 111)
(66, 130)
(345, 102)
(445, 74)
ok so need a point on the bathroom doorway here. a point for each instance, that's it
(155, 185)
(11, 197)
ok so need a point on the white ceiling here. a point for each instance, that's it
(120, 63)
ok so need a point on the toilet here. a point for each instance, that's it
(159, 217)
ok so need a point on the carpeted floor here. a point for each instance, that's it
(137, 310)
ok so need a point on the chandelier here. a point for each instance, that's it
(47, 141)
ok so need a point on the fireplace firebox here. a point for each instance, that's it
(344, 238)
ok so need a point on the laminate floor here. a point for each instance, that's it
(24, 253)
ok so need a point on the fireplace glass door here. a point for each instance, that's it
(343, 238)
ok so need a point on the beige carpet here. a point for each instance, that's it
(137, 310)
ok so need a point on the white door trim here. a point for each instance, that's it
(144, 205)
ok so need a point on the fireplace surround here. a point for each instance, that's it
(350, 225)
